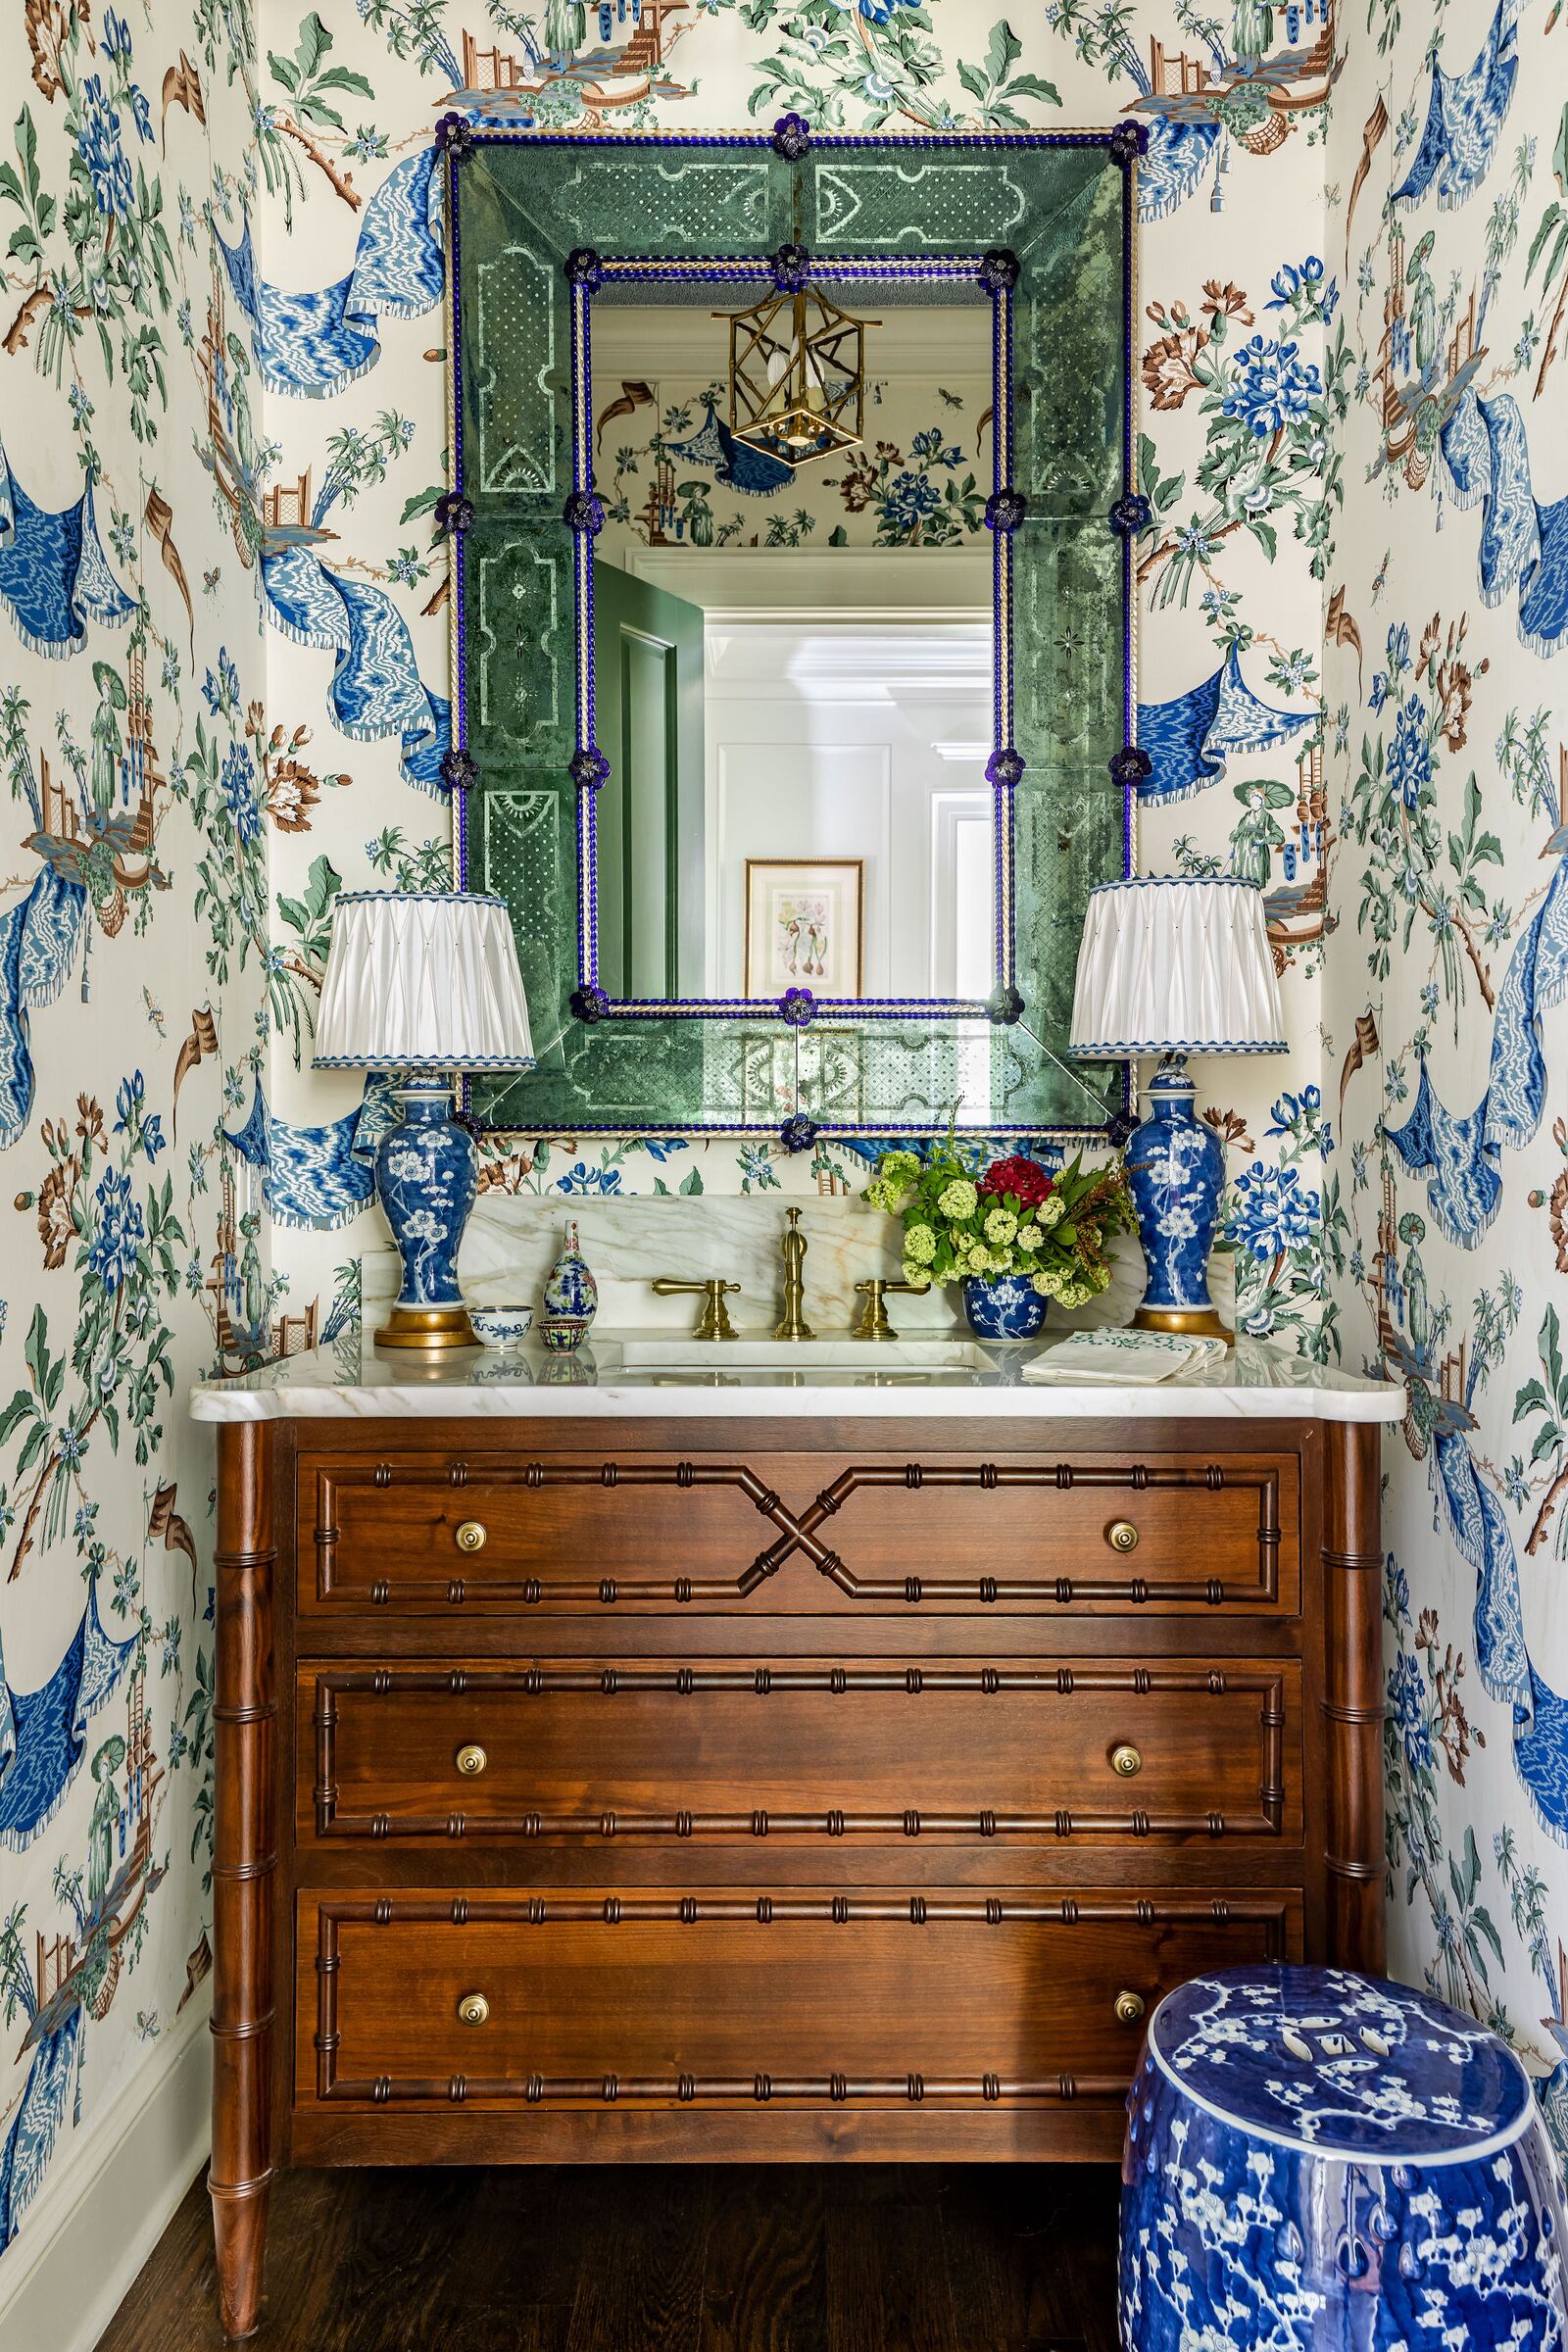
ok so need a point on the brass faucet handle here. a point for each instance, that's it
(871, 1323)
(714, 1322)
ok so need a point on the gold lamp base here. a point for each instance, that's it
(428, 1328)
(1191, 1322)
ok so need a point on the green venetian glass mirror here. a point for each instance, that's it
(791, 524)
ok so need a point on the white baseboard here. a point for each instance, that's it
(94, 2223)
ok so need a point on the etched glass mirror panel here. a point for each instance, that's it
(791, 526)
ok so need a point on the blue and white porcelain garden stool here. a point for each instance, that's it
(1322, 2162)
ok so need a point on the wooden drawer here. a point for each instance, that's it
(576, 1534)
(1096, 1750)
(601, 1999)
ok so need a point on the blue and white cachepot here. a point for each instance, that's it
(1321, 2162)
(1176, 1173)
(1004, 1306)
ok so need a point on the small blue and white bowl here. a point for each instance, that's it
(501, 1326)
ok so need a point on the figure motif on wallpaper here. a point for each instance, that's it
(75, 1973)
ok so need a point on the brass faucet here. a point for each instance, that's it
(792, 1324)
(871, 1323)
(714, 1322)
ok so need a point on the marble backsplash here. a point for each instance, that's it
(512, 1243)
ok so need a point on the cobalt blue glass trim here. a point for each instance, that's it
(1004, 1007)
(1006, 509)
(583, 268)
(1130, 765)
(455, 137)
(797, 1006)
(1006, 767)
(1131, 514)
(791, 266)
(452, 512)
(798, 1133)
(590, 1005)
(459, 770)
(1127, 143)
(588, 769)
(999, 270)
(792, 137)
(583, 513)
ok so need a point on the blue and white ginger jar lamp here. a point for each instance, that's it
(420, 985)
(1175, 964)
(1322, 2162)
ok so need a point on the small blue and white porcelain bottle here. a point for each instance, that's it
(571, 1298)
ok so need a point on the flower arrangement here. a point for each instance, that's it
(1015, 1219)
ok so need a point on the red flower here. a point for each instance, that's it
(1025, 1179)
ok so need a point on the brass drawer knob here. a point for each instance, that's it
(1125, 1760)
(472, 1760)
(1129, 2008)
(471, 1532)
(473, 2008)
(1120, 1535)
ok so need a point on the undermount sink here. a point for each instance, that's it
(917, 1355)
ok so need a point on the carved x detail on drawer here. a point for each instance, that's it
(1032, 1536)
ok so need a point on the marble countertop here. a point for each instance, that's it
(351, 1381)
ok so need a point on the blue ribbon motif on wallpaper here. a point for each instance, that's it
(1463, 1152)
(54, 574)
(311, 345)
(1484, 460)
(311, 1176)
(1464, 117)
(43, 1733)
(376, 689)
(38, 941)
(1481, 1533)
(1191, 738)
(1177, 158)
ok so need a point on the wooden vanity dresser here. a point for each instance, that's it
(629, 1782)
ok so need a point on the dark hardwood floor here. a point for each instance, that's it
(782, 2258)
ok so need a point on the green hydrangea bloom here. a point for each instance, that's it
(1029, 1237)
(1050, 1212)
(959, 1200)
(920, 1244)
(1001, 1226)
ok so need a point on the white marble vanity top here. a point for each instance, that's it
(613, 1377)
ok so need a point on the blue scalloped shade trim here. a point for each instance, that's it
(1176, 882)
(426, 898)
(424, 1062)
(1113, 1050)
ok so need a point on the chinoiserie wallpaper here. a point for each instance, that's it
(225, 697)
(1445, 1224)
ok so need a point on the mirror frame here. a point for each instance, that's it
(995, 273)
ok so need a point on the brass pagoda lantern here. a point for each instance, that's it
(797, 368)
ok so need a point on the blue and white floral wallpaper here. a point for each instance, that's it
(223, 696)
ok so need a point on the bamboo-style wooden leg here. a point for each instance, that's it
(244, 1864)
(1353, 1693)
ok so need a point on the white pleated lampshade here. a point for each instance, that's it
(424, 980)
(1176, 963)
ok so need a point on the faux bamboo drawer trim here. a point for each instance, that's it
(1093, 1751)
(577, 1534)
(716, 1999)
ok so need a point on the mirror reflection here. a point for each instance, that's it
(792, 654)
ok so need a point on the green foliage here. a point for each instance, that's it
(1050, 1229)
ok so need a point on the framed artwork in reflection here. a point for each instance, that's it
(804, 918)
